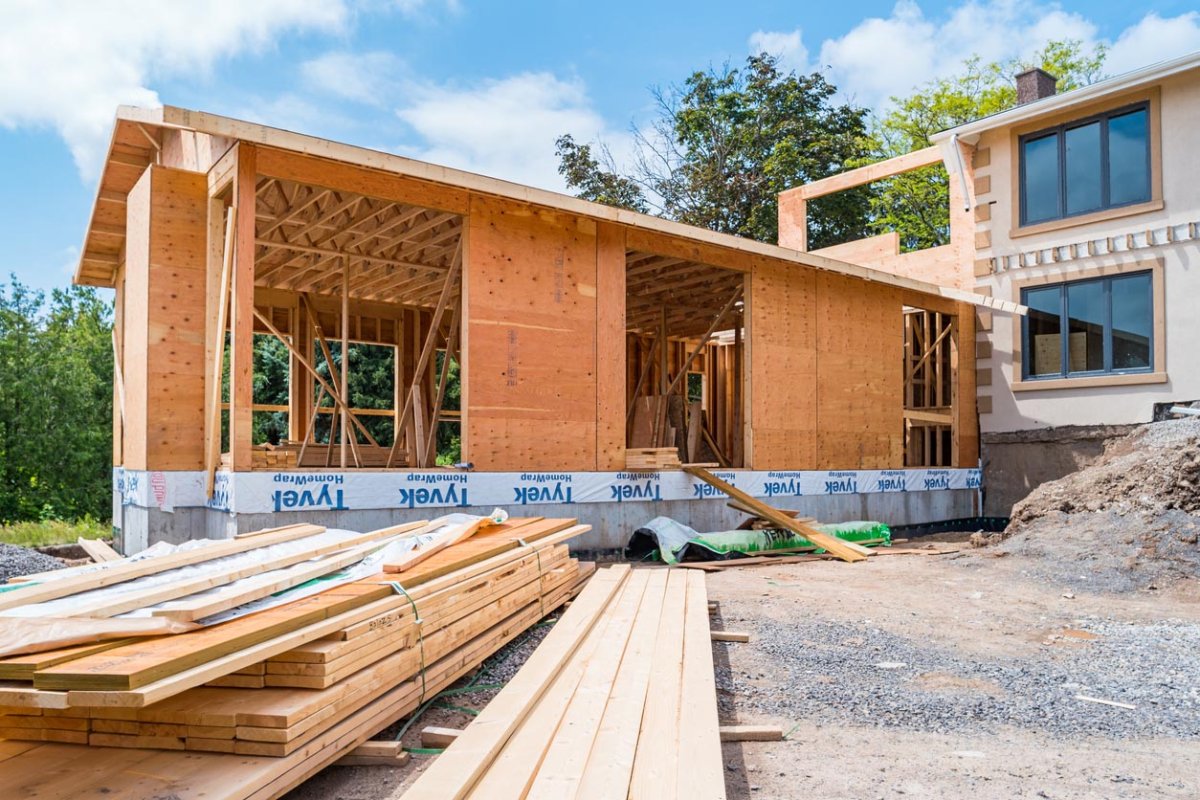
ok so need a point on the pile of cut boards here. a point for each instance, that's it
(250, 707)
(619, 700)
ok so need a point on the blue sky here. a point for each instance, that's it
(484, 86)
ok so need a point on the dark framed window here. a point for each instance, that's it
(1090, 327)
(1088, 165)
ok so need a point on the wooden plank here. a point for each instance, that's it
(822, 540)
(486, 544)
(452, 776)
(729, 636)
(358, 545)
(128, 570)
(241, 347)
(654, 764)
(277, 580)
(751, 733)
(610, 764)
(869, 174)
(435, 737)
(142, 691)
(566, 757)
(701, 774)
(214, 378)
(99, 550)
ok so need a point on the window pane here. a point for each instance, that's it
(1128, 162)
(1083, 168)
(1045, 328)
(1085, 326)
(1132, 321)
(1040, 161)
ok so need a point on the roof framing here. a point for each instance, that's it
(132, 150)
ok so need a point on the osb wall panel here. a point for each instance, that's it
(530, 289)
(164, 333)
(783, 366)
(860, 380)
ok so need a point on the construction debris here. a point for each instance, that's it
(1133, 516)
(619, 700)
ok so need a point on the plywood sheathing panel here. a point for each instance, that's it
(860, 381)
(530, 344)
(164, 300)
(610, 342)
(783, 366)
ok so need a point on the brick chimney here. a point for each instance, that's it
(1034, 84)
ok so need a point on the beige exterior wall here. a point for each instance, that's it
(1007, 258)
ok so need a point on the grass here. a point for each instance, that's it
(39, 534)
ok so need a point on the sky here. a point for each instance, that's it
(480, 85)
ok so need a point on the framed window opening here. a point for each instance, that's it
(1087, 166)
(1101, 326)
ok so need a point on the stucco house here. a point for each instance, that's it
(1082, 207)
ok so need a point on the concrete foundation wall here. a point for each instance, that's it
(1014, 464)
(612, 523)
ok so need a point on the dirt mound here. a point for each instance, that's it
(1129, 521)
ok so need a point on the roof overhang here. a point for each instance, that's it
(137, 141)
(1067, 100)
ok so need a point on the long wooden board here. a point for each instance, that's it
(451, 778)
(832, 544)
(122, 571)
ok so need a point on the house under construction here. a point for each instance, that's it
(595, 346)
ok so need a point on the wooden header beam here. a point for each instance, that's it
(868, 174)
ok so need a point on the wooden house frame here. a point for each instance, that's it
(563, 313)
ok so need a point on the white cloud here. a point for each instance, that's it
(362, 77)
(787, 46)
(68, 65)
(881, 57)
(1154, 39)
(504, 127)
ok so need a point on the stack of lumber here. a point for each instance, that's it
(269, 456)
(301, 683)
(618, 701)
(643, 458)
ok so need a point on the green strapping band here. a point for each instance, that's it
(396, 587)
(541, 597)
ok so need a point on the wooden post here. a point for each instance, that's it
(345, 370)
(241, 354)
(300, 383)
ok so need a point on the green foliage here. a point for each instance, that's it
(592, 181)
(916, 204)
(726, 143)
(52, 531)
(56, 368)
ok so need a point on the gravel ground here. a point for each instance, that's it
(888, 680)
(955, 676)
(16, 561)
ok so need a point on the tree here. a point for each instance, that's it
(916, 204)
(56, 368)
(725, 144)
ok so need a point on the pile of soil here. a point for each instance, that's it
(1129, 521)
